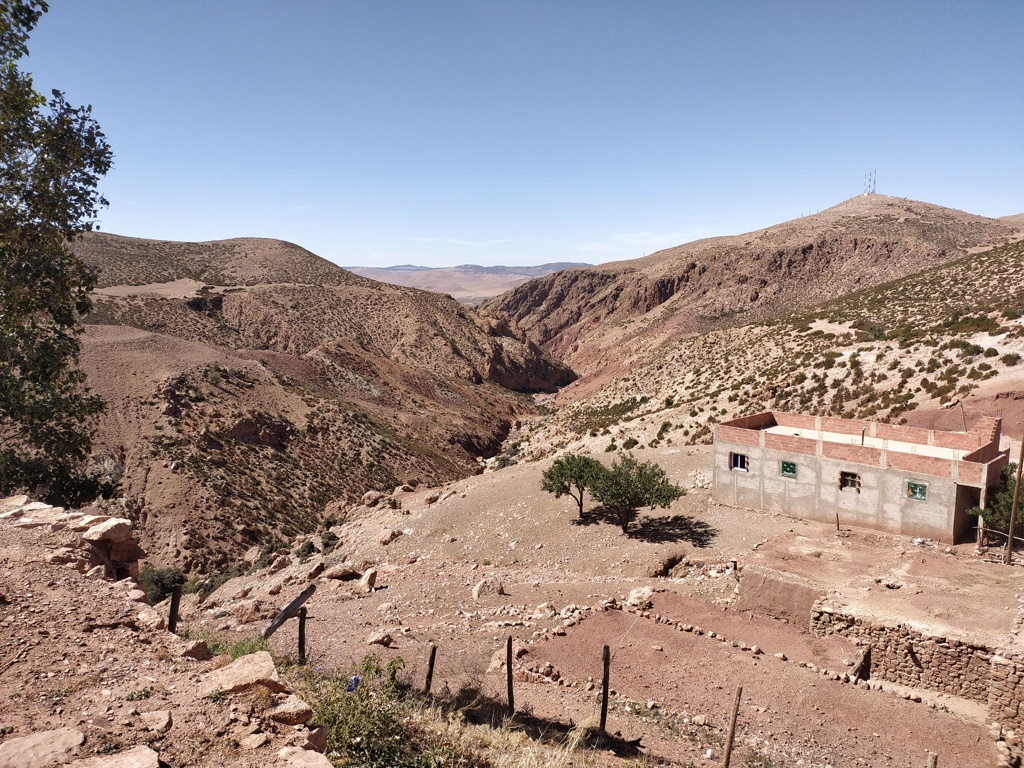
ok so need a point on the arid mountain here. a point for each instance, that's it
(469, 283)
(940, 349)
(605, 316)
(251, 383)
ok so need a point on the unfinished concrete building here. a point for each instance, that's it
(900, 479)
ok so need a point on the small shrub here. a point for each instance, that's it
(139, 695)
(306, 551)
(991, 352)
(329, 540)
(158, 583)
(210, 584)
(1011, 358)
(630, 443)
(368, 722)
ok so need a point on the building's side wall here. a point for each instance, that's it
(814, 494)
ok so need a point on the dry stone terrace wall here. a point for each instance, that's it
(960, 668)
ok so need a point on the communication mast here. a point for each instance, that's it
(869, 183)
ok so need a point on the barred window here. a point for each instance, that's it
(849, 480)
(739, 461)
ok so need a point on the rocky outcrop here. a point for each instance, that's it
(107, 545)
(240, 675)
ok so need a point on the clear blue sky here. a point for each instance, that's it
(441, 133)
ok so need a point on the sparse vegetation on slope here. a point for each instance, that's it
(929, 338)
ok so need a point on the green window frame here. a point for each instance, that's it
(787, 469)
(918, 491)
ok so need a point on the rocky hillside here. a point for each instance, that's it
(598, 316)
(910, 350)
(250, 383)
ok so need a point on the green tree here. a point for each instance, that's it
(999, 503)
(629, 485)
(570, 475)
(52, 155)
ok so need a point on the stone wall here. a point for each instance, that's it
(1005, 690)
(903, 655)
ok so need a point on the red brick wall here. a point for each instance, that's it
(736, 435)
(791, 444)
(924, 465)
(843, 426)
(903, 434)
(988, 430)
(856, 453)
(756, 421)
(961, 441)
(968, 472)
(796, 420)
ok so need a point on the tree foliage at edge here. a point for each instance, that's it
(52, 156)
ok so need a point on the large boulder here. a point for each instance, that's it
(297, 757)
(255, 669)
(139, 756)
(116, 530)
(41, 749)
(291, 711)
(488, 586)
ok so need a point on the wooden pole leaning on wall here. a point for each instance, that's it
(1008, 555)
(508, 675)
(302, 635)
(727, 755)
(172, 618)
(606, 661)
(430, 668)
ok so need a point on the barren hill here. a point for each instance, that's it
(910, 350)
(594, 317)
(469, 283)
(250, 383)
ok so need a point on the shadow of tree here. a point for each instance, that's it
(674, 528)
(657, 530)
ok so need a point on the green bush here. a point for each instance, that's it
(372, 724)
(329, 541)
(306, 551)
(210, 584)
(158, 583)
(1011, 358)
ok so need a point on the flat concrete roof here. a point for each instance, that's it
(899, 446)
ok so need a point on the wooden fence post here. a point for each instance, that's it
(172, 619)
(302, 635)
(430, 668)
(606, 660)
(292, 609)
(1008, 555)
(933, 760)
(732, 728)
(508, 669)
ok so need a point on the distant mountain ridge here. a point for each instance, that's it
(468, 283)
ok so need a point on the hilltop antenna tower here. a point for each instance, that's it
(869, 183)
